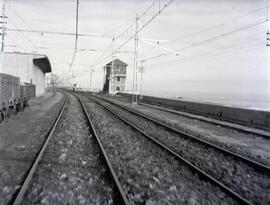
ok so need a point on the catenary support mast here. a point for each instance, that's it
(3, 22)
(135, 68)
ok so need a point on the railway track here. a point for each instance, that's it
(241, 177)
(66, 169)
(230, 125)
(250, 145)
(150, 172)
(252, 162)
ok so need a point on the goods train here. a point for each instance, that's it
(14, 95)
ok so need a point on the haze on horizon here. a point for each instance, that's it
(233, 67)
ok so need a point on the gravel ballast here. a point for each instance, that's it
(250, 145)
(240, 177)
(72, 170)
(21, 136)
(148, 174)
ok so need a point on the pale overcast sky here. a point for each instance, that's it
(236, 64)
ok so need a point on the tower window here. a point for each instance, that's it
(118, 79)
(117, 88)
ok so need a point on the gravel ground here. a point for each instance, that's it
(21, 136)
(240, 177)
(148, 174)
(72, 170)
(250, 145)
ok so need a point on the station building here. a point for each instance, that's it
(30, 68)
(115, 74)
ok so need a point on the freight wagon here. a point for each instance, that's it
(9, 94)
(27, 91)
(13, 95)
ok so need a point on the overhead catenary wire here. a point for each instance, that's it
(94, 35)
(31, 30)
(118, 36)
(105, 52)
(221, 24)
(226, 51)
(161, 9)
(76, 36)
(23, 20)
(22, 34)
(121, 34)
(214, 53)
(138, 18)
(222, 35)
(63, 48)
(41, 32)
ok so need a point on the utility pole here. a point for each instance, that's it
(112, 70)
(111, 74)
(268, 24)
(135, 68)
(268, 38)
(91, 75)
(76, 37)
(77, 25)
(142, 70)
(3, 22)
(104, 78)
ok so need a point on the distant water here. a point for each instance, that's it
(249, 101)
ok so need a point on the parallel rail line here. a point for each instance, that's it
(104, 154)
(257, 165)
(18, 197)
(202, 173)
(262, 133)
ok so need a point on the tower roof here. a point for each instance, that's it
(117, 62)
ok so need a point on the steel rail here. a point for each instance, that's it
(261, 167)
(18, 196)
(203, 174)
(108, 163)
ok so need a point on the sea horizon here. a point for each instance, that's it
(247, 100)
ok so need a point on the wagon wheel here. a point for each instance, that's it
(16, 109)
(2, 117)
(8, 114)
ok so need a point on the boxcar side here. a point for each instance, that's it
(9, 93)
(27, 91)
